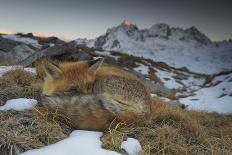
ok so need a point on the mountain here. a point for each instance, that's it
(177, 47)
(114, 37)
(32, 40)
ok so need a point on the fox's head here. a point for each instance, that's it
(71, 76)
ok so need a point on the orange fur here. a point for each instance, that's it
(75, 77)
(124, 96)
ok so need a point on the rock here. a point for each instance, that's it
(18, 53)
(78, 54)
(159, 30)
(6, 44)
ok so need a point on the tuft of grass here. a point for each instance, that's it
(39, 69)
(19, 83)
(113, 138)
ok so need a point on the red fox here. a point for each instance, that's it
(92, 94)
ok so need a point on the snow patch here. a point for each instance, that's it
(167, 79)
(132, 146)
(19, 104)
(142, 69)
(82, 142)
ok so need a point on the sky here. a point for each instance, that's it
(71, 19)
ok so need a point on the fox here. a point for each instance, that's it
(93, 94)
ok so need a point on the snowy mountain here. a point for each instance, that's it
(177, 47)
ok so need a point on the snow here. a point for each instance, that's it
(160, 30)
(51, 44)
(82, 142)
(193, 83)
(215, 98)
(132, 146)
(142, 69)
(26, 40)
(106, 53)
(5, 69)
(30, 70)
(153, 95)
(167, 79)
(19, 104)
(165, 99)
(89, 43)
(206, 60)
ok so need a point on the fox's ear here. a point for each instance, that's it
(94, 65)
(52, 70)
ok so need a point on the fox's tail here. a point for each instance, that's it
(92, 111)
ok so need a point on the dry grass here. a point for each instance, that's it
(40, 73)
(153, 76)
(4, 63)
(21, 131)
(171, 131)
(19, 83)
(177, 131)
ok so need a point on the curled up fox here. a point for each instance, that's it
(92, 94)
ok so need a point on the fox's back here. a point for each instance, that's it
(124, 87)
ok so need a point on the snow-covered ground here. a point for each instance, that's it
(26, 40)
(5, 69)
(168, 79)
(216, 97)
(82, 142)
(205, 59)
(142, 69)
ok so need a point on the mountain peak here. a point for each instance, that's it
(126, 22)
(160, 30)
